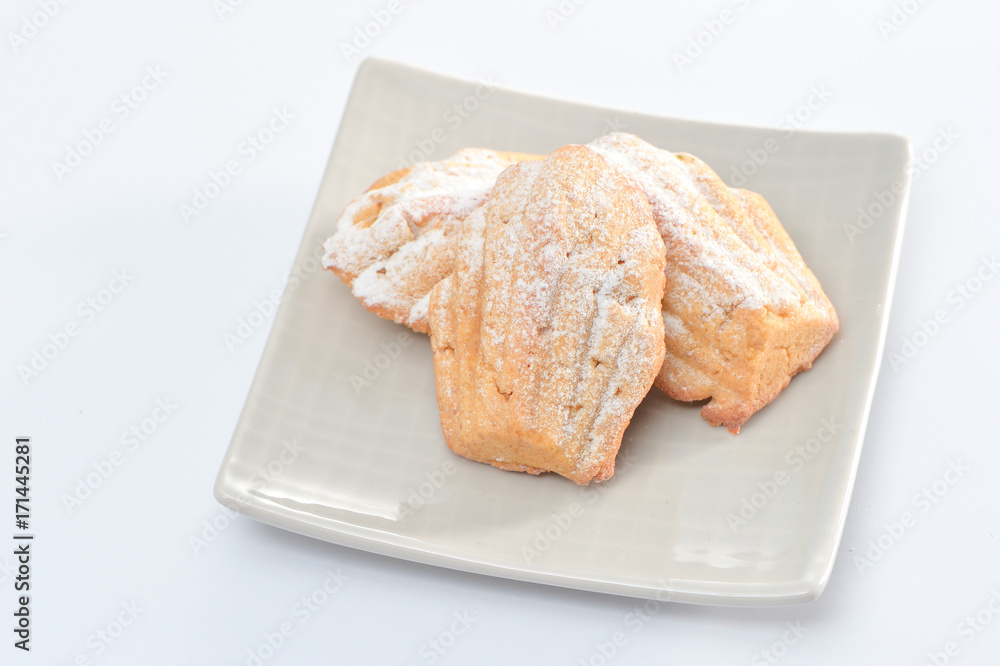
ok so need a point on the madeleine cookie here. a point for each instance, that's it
(548, 334)
(742, 311)
(396, 241)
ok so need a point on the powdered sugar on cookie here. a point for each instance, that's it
(742, 313)
(396, 241)
(548, 334)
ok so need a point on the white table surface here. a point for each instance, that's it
(135, 572)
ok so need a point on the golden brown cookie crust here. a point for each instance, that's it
(548, 334)
(742, 312)
(396, 241)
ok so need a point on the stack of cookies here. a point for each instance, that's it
(558, 290)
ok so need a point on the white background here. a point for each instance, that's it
(132, 542)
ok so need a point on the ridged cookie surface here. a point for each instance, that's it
(548, 334)
(396, 241)
(742, 311)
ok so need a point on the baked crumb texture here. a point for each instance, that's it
(742, 312)
(549, 333)
(396, 241)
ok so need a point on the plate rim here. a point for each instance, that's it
(366, 538)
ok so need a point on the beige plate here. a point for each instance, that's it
(340, 439)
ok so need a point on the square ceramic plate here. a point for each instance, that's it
(340, 438)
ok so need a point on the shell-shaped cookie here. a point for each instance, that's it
(742, 311)
(396, 241)
(548, 334)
